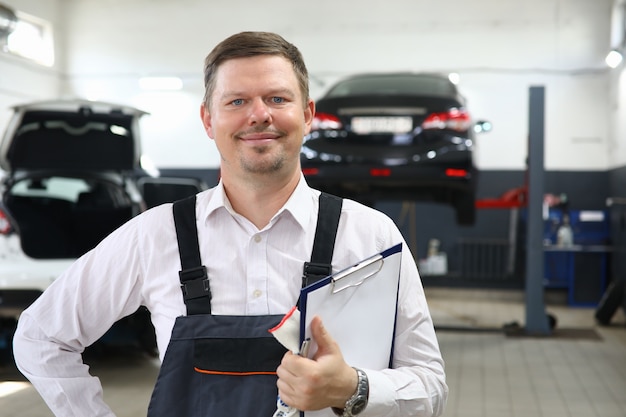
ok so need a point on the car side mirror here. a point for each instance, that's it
(482, 126)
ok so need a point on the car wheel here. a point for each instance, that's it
(465, 206)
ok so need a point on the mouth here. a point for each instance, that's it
(259, 137)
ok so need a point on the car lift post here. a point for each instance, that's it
(536, 317)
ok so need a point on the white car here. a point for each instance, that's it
(71, 175)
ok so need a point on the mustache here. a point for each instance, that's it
(260, 129)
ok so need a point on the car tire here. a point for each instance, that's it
(465, 207)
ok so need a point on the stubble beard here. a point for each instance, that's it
(264, 162)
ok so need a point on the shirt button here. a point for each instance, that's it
(257, 238)
(256, 293)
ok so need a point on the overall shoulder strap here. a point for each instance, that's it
(194, 281)
(324, 243)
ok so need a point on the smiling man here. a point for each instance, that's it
(218, 270)
(258, 116)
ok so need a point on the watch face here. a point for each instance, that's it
(358, 406)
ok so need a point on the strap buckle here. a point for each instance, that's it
(194, 283)
(314, 271)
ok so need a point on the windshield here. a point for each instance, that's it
(53, 187)
(385, 84)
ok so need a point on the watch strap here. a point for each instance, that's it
(358, 401)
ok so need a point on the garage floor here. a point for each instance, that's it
(580, 371)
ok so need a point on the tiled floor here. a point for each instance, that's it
(492, 375)
(489, 373)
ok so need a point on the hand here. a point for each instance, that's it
(325, 380)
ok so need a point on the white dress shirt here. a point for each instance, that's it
(251, 272)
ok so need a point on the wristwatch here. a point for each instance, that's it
(358, 401)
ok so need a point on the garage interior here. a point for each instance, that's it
(482, 294)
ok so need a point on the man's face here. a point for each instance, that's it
(257, 117)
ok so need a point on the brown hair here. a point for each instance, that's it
(249, 44)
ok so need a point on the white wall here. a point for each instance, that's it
(617, 145)
(499, 47)
(617, 96)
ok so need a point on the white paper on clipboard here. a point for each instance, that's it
(358, 308)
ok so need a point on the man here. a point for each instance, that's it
(255, 230)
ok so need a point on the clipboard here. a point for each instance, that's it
(358, 308)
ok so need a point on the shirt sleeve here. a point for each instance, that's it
(62, 380)
(71, 314)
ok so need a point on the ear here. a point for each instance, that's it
(309, 112)
(205, 115)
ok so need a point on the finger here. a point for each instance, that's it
(325, 343)
(287, 367)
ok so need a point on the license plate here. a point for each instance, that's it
(365, 125)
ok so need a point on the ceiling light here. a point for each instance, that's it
(613, 58)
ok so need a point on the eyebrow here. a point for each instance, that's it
(274, 92)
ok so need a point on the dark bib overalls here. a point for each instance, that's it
(225, 366)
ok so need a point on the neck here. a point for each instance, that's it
(258, 200)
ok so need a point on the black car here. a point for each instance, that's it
(405, 136)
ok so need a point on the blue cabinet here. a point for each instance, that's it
(582, 268)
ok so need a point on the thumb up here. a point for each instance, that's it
(326, 345)
(325, 380)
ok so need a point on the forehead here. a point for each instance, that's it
(255, 73)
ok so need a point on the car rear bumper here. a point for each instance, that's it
(380, 176)
(23, 279)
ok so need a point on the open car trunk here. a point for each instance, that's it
(72, 135)
(64, 217)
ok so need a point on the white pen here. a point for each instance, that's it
(304, 347)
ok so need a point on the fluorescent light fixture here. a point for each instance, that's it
(613, 58)
(160, 83)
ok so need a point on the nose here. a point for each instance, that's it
(260, 112)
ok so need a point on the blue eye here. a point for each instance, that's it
(277, 100)
(237, 102)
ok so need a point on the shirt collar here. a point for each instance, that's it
(217, 200)
(299, 205)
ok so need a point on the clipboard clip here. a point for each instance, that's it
(336, 280)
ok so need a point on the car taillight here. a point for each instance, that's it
(453, 119)
(5, 225)
(455, 172)
(380, 172)
(310, 171)
(325, 121)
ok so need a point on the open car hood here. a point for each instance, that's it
(71, 135)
